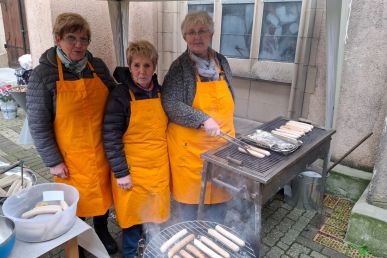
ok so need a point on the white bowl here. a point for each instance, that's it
(43, 227)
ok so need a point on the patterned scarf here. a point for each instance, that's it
(75, 67)
(205, 67)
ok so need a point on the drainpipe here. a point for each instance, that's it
(119, 19)
(297, 62)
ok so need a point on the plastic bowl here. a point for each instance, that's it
(42, 227)
(7, 236)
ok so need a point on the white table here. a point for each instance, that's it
(81, 233)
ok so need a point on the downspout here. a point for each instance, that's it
(297, 58)
(119, 19)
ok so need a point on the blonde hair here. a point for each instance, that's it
(199, 17)
(69, 23)
(142, 48)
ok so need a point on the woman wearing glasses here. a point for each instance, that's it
(197, 97)
(66, 99)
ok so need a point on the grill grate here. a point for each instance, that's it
(198, 228)
(260, 166)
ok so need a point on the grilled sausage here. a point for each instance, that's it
(195, 251)
(230, 236)
(172, 240)
(214, 246)
(185, 254)
(179, 245)
(205, 249)
(223, 240)
(252, 152)
(286, 135)
(48, 209)
(300, 124)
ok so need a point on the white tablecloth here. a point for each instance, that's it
(87, 238)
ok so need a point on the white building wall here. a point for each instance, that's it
(362, 105)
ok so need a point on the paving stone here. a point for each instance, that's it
(275, 252)
(282, 245)
(332, 253)
(287, 206)
(296, 250)
(265, 249)
(315, 254)
(305, 256)
(309, 243)
(285, 256)
(275, 204)
(269, 225)
(290, 237)
(285, 224)
(295, 214)
(279, 214)
(272, 238)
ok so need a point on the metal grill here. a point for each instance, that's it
(258, 168)
(198, 228)
(258, 179)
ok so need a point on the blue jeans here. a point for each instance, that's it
(130, 238)
(211, 212)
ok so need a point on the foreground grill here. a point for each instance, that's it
(198, 228)
(258, 180)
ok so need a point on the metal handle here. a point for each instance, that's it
(220, 183)
(19, 163)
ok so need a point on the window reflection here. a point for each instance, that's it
(279, 31)
(237, 23)
(209, 8)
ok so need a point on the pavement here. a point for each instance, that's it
(287, 231)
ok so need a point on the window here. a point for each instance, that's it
(207, 6)
(279, 32)
(237, 23)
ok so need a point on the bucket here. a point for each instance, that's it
(305, 191)
(9, 110)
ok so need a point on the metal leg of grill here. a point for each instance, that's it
(257, 237)
(205, 176)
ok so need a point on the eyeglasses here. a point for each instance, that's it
(198, 33)
(73, 40)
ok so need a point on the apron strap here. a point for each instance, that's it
(60, 68)
(132, 95)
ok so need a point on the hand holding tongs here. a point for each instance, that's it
(235, 142)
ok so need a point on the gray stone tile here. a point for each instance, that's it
(275, 252)
(296, 250)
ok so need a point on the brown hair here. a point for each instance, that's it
(143, 48)
(198, 17)
(69, 23)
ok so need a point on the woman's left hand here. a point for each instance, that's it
(125, 182)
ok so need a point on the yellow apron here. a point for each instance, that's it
(147, 155)
(186, 144)
(80, 106)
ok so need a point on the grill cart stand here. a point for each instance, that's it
(258, 180)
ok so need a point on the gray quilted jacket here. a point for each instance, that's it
(41, 101)
(179, 89)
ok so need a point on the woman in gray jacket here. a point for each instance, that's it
(66, 99)
(197, 97)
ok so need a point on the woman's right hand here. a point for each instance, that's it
(211, 126)
(60, 170)
(125, 182)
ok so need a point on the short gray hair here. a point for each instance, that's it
(199, 17)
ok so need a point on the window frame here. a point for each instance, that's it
(252, 67)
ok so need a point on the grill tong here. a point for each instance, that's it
(235, 142)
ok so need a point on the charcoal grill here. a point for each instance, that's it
(198, 228)
(258, 180)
